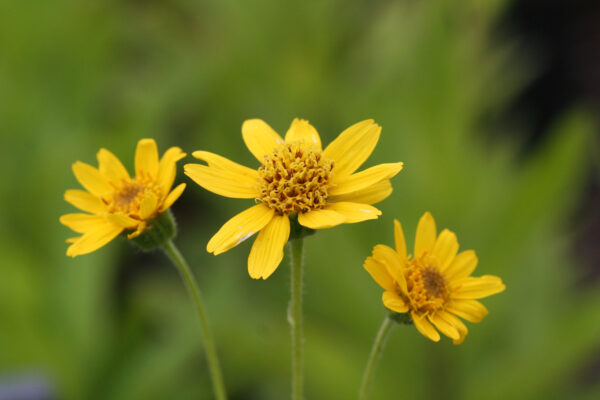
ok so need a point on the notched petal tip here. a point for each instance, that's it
(301, 130)
(71, 253)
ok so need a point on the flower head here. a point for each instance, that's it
(117, 202)
(433, 285)
(296, 179)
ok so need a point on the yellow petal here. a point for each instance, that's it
(222, 182)
(471, 310)
(445, 248)
(352, 147)
(148, 206)
(426, 232)
(394, 302)
(477, 288)
(370, 195)
(363, 179)
(260, 138)
(172, 197)
(240, 228)
(140, 229)
(82, 223)
(302, 131)
(216, 161)
(94, 239)
(399, 240)
(379, 273)
(167, 168)
(122, 220)
(321, 219)
(91, 179)
(394, 264)
(444, 326)
(354, 212)
(267, 250)
(457, 324)
(425, 327)
(463, 332)
(111, 167)
(462, 266)
(84, 201)
(146, 159)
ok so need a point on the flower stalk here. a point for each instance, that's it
(295, 316)
(380, 339)
(194, 292)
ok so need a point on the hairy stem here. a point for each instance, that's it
(382, 334)
(295, 317)
(194, 292)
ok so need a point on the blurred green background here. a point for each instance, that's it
(76, 76)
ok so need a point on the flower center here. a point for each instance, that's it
(427, 289)
(294, 179)
(128, 198)
(127, 195)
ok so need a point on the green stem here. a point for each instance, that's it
(295, 316)
(384, 330)
(194, 292)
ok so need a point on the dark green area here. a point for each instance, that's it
(158, 232)
(76, 76)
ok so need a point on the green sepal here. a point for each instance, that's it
(298, 231)
(159, 231)
(400, 318)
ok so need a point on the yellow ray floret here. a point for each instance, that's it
(434, 284)
(117, 202)
(296, 179)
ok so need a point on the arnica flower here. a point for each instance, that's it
(117, 202)
(296, 179)
(433, 285)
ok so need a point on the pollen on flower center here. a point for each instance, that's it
(427, 289)
(128, 197)
(294, 179)
(128, 194)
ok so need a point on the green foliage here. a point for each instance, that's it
(77, 76)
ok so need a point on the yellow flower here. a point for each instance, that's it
(296, 178)
(434, 284)
(116, 202)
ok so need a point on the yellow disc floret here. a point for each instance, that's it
(294, 179)
(128, 197)
(427, 289)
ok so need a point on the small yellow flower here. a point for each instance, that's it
(434, 284)
(116, 202)
(296, 178)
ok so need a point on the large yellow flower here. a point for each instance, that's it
(433, 285)
(296, 179)
(116, 202)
